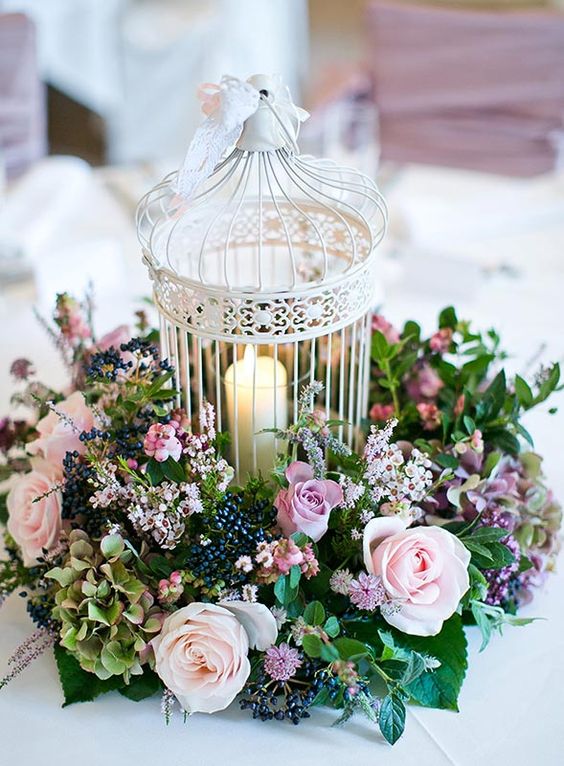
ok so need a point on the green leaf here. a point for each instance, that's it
(314, 613)
(312, 645)
(448, 318)
(446, 461)
(469, 424)
(300, 539)
(283, 591)
(329, 653)
(141, 687)
(79, 685)
(391, 718)
(349, 648)
(332, 627)
(3, 508)
(154, 471)
(440, 687)
(502, 438)
(548, 386)
(411, 330)
(173, 470)
(523, 392)
(380, 347)
(295, 575)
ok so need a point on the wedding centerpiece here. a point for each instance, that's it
(294, 508)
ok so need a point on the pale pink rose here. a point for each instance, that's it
(115, 338)
(201, 653)
(307, 503)
(57, 435)
(424, 571)
(35, 526)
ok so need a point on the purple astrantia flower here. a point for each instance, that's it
(281, 662)
(22, 369)
(340, 581)
(367, 592)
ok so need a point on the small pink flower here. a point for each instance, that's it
(430, 415)
(441, 340)
(307, 503)
(379, 323)
(381, 412)
(161, 443)
(22, 369)
(310, 565)
(424, 383)
(367, 592)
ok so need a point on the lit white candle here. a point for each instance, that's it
(256, 398)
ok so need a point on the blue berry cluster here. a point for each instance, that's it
(76, 494)
(106, 365)
(233, 531)
(39, 608)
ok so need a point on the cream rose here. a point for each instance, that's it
(57, 435)
(35, 526)
(424, 571)
(201, 653)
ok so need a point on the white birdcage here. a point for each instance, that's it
(264, 281)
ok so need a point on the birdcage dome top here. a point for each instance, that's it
(267, 224)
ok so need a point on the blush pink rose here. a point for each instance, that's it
(57, 436)
(307, 503)
(115, 338)
(35, 526)
(424, 571)
(201, 653)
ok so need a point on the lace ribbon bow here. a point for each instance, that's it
(227, 106)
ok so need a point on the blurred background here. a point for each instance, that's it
(455, 106)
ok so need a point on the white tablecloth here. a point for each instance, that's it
(511, 703)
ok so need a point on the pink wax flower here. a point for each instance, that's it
(459, 406)
(441, 340)
(477, 441)
(286, 554)
(381, 412)
(379, 323)
(161, 443)
(430, 415)
(171, 589)
(424, 383)
(307, 503)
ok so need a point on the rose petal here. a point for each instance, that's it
(299, 471)
(375, 532)
(257, 620)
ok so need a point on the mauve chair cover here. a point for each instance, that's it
(474, 89)
(22, 96)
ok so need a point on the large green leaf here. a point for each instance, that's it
(391, 718)
(439, 688)
(141, 687)
(79, 685)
